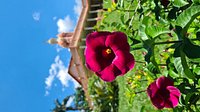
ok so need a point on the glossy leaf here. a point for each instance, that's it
(178, 65)
(142, 33)
(187, 16)
(182, 67)
(196, 1)
(154, 31)
(197, 70)
(180, 3)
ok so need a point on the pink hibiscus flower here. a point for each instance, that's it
(163, 93)
(108, 54)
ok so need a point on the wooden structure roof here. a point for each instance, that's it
(85, 25)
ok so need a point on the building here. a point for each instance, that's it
(75, 41)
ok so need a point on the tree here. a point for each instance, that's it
(79, 102)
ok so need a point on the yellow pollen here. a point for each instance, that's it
(108, 51)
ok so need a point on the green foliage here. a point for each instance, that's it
(180, 3)
(154, 31)
(79, 102)
(188, 16)
(165, 38)
(104, 95)
(192, 54)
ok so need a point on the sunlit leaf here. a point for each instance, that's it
(196, 1)
(154, 31)
(178, 65)
(180, 3)
(187, 16)
(182, 67)
(171, 71)
(142, 33)
(197, 70)
(147, 20)
(121, 3)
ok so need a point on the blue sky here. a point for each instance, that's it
(32, 72)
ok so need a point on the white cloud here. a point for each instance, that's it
(60, 72)
(65, 25)
(63, 77)
(49, 81)
(70, 101)
(78, 7)
(36, 16)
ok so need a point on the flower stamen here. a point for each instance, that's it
(108, 51)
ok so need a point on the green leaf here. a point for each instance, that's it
(186, 69)
(142, 33)
(197, 70)
(147, 44)
(197, 60)
(121, 3)
(171, 71)
(147, 20)
(182, 67)
(178, 65)
(142, 108)
(192, 51)
(133, 41)
(187, 16)
(198, 34)
(196, 1)
(177, 49)
(152, 68)
(187, 98)
(172, 13)
(154, 31)
(180, 3)
(114, 24)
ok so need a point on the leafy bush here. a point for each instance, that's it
(104, 95)
(164, 36)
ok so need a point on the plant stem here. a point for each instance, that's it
(169, 42)
(140, 91)
(140, 61)
(137, 48)
(162, 64)
(124, 10)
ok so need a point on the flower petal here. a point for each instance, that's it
(175, 91)
(158, 102)
(174, 96)
(124, 61)
(96, 40)
(117, 40)
(172, 101)
(155, 96)
(93, 60)
(163, 82)
(109, 73)
(152, 90)
(95, 43)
